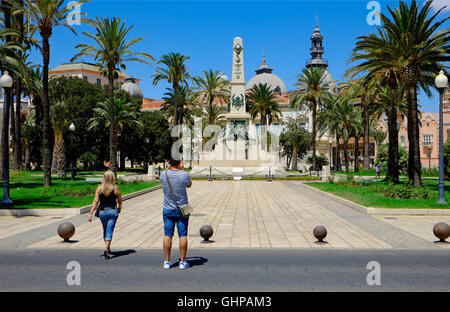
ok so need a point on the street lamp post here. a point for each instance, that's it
(441, 82)
(72, 129)
(6, 82)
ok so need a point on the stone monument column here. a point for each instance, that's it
(237, 118)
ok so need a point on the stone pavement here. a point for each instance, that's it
(250, 214)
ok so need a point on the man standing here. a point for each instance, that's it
(378, 170)
(175, 181)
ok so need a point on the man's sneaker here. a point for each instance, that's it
(166, 265)
(184, 265)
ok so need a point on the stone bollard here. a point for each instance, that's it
(325, 173)
(151, 175)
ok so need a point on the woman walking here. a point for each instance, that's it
(175, 181)
(110, 200)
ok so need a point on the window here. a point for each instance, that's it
(99, 82)
(402, 141)
(85, 78)
(427, 139)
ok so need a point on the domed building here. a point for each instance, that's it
(264, 75)
(132, 88)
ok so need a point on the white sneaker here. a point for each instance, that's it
(184, 265)
(167, 265)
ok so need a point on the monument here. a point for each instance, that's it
(239, 150)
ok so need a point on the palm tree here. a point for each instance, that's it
(294, 140)
(365, 90)
(327, 121)
(379, 65)
(174, 70)
(312, 89)
(183, 98)
(420, 50)
(125, 114)
(379, 136)
(58, 117)
(262, 102)
(349, 118)
(209, 87)
(44, 16)
(111, 52)
(27, 131)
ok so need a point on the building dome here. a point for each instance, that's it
(264, 76)
(224, 77)
(132, 88)
(331, 83)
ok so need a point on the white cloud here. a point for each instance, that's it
(438, 4)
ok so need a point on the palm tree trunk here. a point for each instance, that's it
(314, 135)
(356, 168)
(366, 163)
(17, 164)
(338, 154)
(27, 157)
(47, 157)
(211, 99)
(392, 170)
(414, 168)
(112, 139)
(175, 108)
(59, 157)
(294, 158)
(346, 154)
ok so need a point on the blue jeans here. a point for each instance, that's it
(108, 216)
(172, 217)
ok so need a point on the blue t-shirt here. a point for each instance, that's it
(179, 180)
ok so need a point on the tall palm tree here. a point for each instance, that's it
(175, 72)
(28, 127)
(378, 64)
(125, 114)
(262, 102)
(183, 98)
(210, 87)
(312, 87)
(44, 16)
(365, 90)
(111, 51)
(350, 119)
(420, 52)
(58, 118)
(327, 121)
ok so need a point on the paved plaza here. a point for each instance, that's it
(243, 214)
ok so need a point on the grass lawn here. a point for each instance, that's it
(364, 196)
(27, 191)
(370, 173)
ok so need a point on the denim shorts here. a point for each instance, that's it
(108, 216)
(172, 217)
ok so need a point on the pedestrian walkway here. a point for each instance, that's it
(252, 214)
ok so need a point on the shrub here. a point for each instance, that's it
(430, 172)
(401, 191)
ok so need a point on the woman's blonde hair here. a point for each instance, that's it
(108, 184)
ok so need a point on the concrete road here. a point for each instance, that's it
(224, 270)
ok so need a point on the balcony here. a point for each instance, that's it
(318, 61)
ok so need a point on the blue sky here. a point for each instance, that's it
(204, 30)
